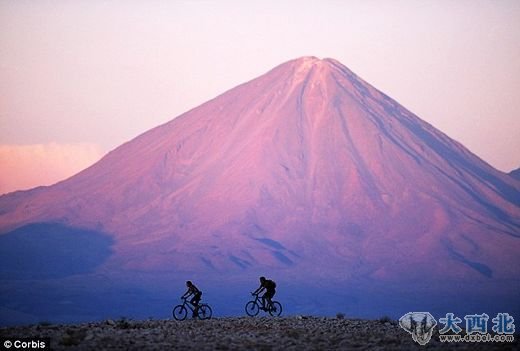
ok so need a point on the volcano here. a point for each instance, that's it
(306, 172)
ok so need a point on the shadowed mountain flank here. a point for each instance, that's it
(515, 173)
(51, 250)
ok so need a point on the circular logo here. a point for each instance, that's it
(8, 344)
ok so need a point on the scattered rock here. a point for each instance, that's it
(241, 333)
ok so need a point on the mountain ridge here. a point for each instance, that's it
(515, 173)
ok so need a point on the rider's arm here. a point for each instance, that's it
(257, 291)
(186, 294)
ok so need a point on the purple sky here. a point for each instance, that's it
(78, 78)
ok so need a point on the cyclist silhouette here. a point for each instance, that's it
(193, 290)
(270, 290)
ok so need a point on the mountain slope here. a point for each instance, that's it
(307, 171)
(515, 173)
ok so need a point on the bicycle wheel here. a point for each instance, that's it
(276, 309)
(205, 311)
(252, 308)
(180, 312)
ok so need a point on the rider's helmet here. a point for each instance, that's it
(262, 279)
(189, 283)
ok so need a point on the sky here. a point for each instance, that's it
(79, 78)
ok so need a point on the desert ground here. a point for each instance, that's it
(238, 333)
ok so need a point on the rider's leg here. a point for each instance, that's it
(269, 295)
(195, 302)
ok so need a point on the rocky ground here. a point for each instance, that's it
(266, 333)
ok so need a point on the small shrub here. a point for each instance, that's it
(123, 323)
(293, 333)
(340, 315)
(73, 337)
(385, 319)
(68, 340)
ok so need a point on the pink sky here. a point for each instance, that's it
(86, 76)
(26, 166)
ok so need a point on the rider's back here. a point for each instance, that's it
(270, 285)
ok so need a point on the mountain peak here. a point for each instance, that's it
(310, 71)
(307, 63)
(307, 60)
(313, 61)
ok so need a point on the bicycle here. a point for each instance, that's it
(254, 306)
(202, 311)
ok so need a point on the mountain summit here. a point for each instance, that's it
(306, 171)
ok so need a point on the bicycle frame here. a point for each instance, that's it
(274, 308)
(201, 310)
(258, 301)
(188, 304)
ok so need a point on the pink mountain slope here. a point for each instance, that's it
(307, 170)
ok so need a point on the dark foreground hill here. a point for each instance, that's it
(289, 333)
